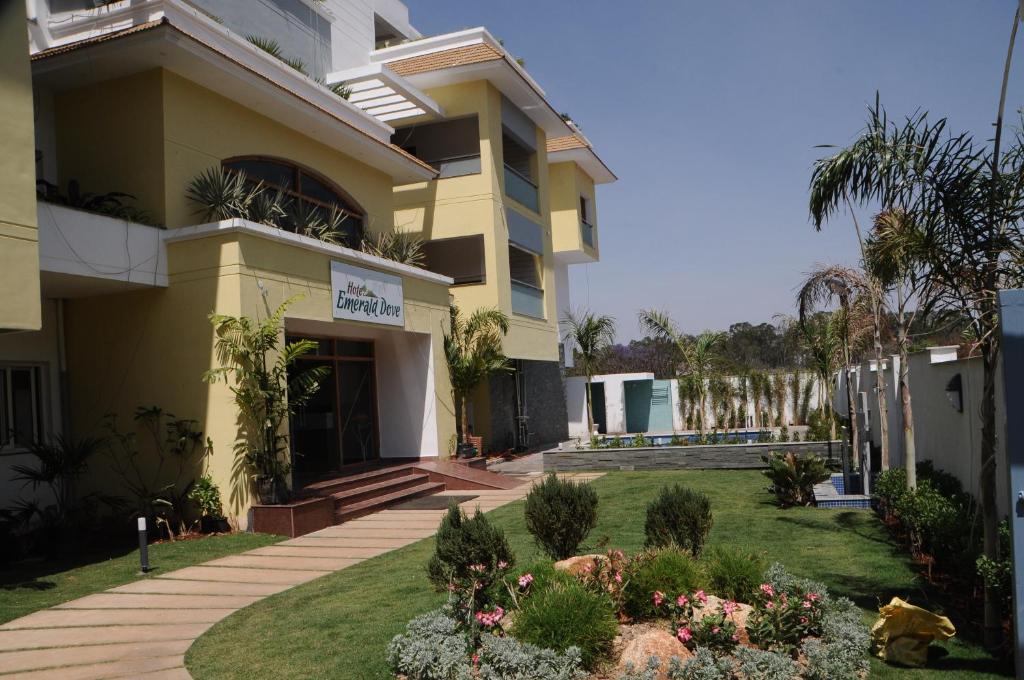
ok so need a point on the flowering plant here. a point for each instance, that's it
(608, 575)
(783, 618)
(697, 626)
(471, 598)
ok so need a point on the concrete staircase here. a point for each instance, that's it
(364, 493)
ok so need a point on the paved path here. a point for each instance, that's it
(143, 629)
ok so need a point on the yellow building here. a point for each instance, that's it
(135, 100)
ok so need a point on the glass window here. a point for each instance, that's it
(461, 258)
(21, 423)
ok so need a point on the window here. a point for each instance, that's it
(585, 215)
(307, 193)
(527, 282)
(451, 146)
(461, 258)
(21, 412)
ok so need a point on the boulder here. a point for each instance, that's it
(576, 565)
(739, 616)
(640, 642)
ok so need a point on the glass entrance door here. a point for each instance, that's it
(338, 425)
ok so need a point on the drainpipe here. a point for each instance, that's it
(62, 372)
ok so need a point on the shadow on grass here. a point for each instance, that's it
(33, 574)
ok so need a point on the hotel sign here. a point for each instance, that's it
(364, 295)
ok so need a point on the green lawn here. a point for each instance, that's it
(339, 626)
(36, 585)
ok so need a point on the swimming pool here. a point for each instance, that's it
(735, 436)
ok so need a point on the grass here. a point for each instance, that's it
(339, 626)
(30, 586)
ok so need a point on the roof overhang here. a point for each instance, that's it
(587, 160)
(502, 71)
(384, 95)
(128, 38)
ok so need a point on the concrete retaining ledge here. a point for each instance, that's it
(696, 457)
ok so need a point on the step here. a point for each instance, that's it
(374, 489)
(376, 503)
(328, 487)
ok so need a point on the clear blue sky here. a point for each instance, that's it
(709, 113)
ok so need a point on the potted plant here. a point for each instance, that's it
(206, 496)
(259, 370)
(473, 350)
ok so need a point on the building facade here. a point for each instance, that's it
(124, 106)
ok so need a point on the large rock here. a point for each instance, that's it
(739, 616)
(578, 564)
(640, 642)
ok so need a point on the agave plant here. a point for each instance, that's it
(399, 246)
(268, 207)
(268, 45)
(222, 194)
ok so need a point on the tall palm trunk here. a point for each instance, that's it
(464, 417)
(909, 449)
(590, 408)
(880, 384)
(851, 404)
(987, 483)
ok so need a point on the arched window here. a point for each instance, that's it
(309, 195)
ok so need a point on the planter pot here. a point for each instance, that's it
(293, 519)
(466, 450)
(270, 490)
(214, 525)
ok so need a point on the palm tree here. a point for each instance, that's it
(833, 284)
(700, 354)
(473, 349)
(60, 465)
(822, 337)
(590, 335)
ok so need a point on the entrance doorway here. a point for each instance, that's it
(338, 425)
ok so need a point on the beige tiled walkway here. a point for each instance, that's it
(143, 629)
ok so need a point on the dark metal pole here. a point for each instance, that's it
(143, 545)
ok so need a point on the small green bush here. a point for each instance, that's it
(559, 514)
(505, 658)
(463, 541)
(432, 648)
(567, 616)
(733, 574)
(793, 477)
(678, 516)
(669, 570)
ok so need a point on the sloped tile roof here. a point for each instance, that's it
(565, 143)
(434, 61)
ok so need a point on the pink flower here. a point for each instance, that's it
(767, 590)
(716, 630)
(684, 635)
(813, 597)
(803, 619)
(701, 596)
(769, 605)
(682, 601)
(587, 568)
(476, 659)
(502, 564)
(658, 598)
(618, 577)
(735, 638)
(729, 607)
(807, 604)
(479, 568)
(525, 580)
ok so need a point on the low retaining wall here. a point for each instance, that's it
(712, 456)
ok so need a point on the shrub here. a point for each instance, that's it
(733, 574)
(648, 672)
(841, 653)
(785, 615)
(463, 542)
(668, 570)
(432, 648)
(608, 576)
(793, 477)
(559, 514)
(703, 666)
(757, 664)
(678, 516)
(714, 629)
(567, 616)
(505, 658)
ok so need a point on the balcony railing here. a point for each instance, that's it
(520, 189)
(587, 233)
(457, 166)
(527, 300)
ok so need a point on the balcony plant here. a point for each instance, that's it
(473, 350)
(260, 371)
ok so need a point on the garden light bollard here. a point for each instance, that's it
(143, 545)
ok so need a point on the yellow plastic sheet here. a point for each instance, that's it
(903, 632)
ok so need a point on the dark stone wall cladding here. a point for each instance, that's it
(719, 456)
(545, 406)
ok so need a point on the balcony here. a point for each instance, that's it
(587, 233)
(456, 166)
(521, 190)
(527, 300)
